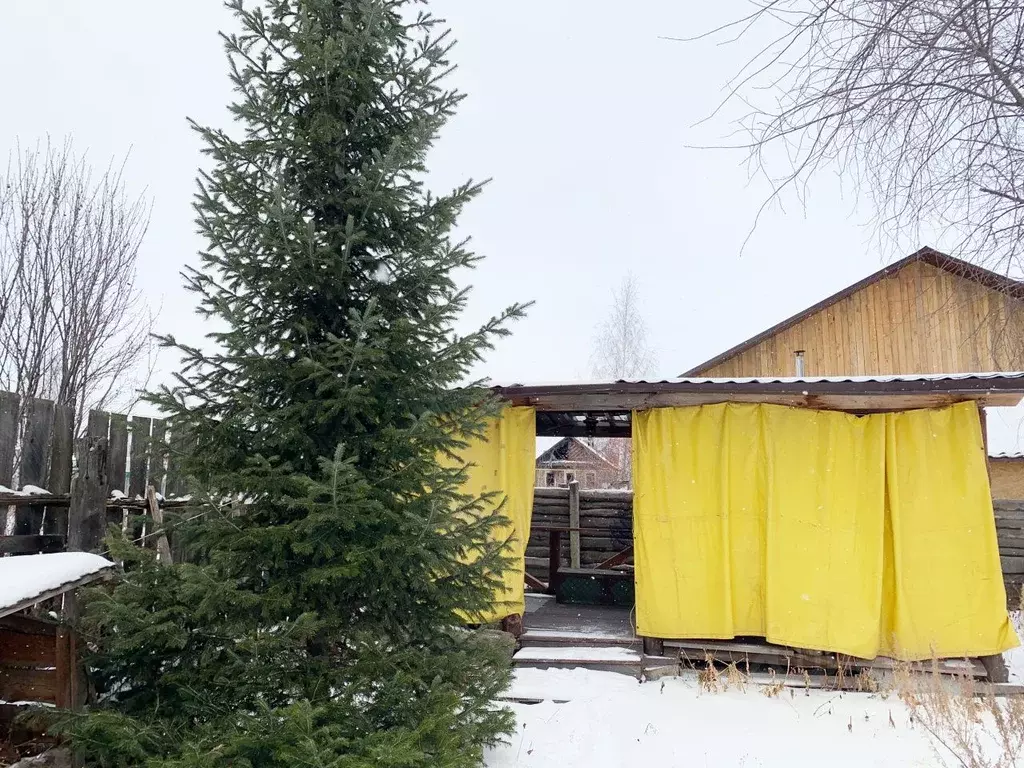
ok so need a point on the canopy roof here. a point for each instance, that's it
(604, 409)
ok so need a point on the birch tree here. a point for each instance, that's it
(621, 351)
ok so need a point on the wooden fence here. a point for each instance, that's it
(124, 464)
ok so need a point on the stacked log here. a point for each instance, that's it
(1010, 533)
(605, 515)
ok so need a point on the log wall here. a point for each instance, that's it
(608, 513)
(1010, 532)
(611, 512)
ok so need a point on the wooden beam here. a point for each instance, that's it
(618, 559)
(163, 547)
(534, 583)
(554, 559)
(866, 403)
(30, 545)
(574, 524)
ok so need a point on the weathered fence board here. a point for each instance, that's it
(118, 451)
(62, 450)
(35, 441)
(158, 454)
(98, 424)
(9, 403)
(139, 466)
(87, 514)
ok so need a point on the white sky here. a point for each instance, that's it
(582, 117)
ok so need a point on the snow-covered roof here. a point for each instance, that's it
(28, 579)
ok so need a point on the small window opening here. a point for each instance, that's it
(798, 359)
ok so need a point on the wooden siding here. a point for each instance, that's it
(919, 320)
(1007, 477)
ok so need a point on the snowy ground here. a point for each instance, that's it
(598, 719)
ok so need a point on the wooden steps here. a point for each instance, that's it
(601, 658)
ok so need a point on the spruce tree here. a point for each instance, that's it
(331, 554)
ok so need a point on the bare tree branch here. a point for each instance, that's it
(920, 103)
(73, 326)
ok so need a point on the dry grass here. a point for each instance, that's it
(773, 688)
(970, 726)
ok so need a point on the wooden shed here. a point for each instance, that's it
(39, 656)
(605, 577)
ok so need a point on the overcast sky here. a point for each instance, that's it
(585, 120)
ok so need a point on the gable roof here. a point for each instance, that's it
(926, 255)
(559, 450)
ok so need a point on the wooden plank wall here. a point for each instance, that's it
(1010, 532)
(920, 320)
(610, 512)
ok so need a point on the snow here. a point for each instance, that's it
(25, 577)
(578, 653)
(34, 490)
(117, 494)
(556, 634)
(1015, 656)
(604, 719)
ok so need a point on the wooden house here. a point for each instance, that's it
(571, 459)
(927, 313)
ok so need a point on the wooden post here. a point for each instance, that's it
(87, 513)
(654, 646)
(163, 547)
(554, 560)
(574, 524)
(995, 665)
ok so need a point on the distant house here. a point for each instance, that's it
(572, 459)
(927, 313)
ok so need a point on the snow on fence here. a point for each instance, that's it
(123, 464)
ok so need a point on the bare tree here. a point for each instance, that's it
(73, 326)
(921, 101)
(621, 351)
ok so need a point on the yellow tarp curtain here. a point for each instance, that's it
(816, 529)
(502, 461)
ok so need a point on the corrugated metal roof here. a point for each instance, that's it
(1007, 455)
(905, 377)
